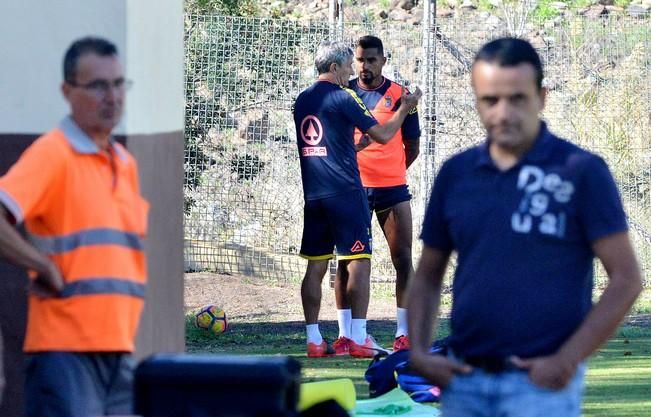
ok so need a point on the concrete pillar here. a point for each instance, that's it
(34, 35)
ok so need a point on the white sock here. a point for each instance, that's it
(344, 318)
(313, 334)
(359, 331)
(401, 322)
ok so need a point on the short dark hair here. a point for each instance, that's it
(81, 47)
(369, 42)
(511, 52)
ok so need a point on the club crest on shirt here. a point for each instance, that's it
(387, 101)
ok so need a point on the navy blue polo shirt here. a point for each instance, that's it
(326, 115)
(523, 281)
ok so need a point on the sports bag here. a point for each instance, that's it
(387, 372)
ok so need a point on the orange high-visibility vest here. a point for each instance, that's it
(82, 207)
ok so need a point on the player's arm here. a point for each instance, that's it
(364, 141)
(411, 137)
(18, 251)
(384, 133)
(412, 149)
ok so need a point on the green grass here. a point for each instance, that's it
(619, 376)
(643, 303)
(618, 381)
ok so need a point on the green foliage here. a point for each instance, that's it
(297, 14)
(485, 5)
(276, 11)
(622, 3)
(643, 303)
(545, 11)
(215, 99)
(578, 4)
(225, 7)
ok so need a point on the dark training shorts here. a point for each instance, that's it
(342, 221)
(72, 384)
(383, 198)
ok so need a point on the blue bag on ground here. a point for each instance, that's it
(388, 372)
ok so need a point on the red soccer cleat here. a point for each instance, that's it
(341, 346)
(369, 349)
(401, 343)
(322, 350)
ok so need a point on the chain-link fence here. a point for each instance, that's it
(243, 198)
(243, 192)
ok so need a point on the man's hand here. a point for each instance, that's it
(438, 369)
(48, 282)
(551, 372)
(364, 141)
(410, 100)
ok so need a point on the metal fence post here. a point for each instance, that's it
(336, 9)
(336, 34)
(428, 141)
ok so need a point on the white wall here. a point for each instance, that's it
(33, 38)
(34, 35)
(155, 64)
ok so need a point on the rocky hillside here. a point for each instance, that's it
(412, 10)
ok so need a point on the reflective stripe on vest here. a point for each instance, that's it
(103, 286)
(61, 244)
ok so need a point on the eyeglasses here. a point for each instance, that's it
(101, 87)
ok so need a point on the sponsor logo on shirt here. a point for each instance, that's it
(540, 189)
(311, 130)
(312, 133)
(315, 151)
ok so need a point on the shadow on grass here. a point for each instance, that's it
(274, 337)
(618, 381)
(271, 338)
(288, 338)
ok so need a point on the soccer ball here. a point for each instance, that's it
(211, 318)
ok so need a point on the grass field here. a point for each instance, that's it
(618, 381)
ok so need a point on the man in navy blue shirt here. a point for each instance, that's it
(526, 212)
(336, 211)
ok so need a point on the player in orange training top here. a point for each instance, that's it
(383, 170)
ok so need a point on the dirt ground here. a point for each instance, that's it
(247, 299)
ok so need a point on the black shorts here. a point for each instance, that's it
(383, 198)
(342, 221)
